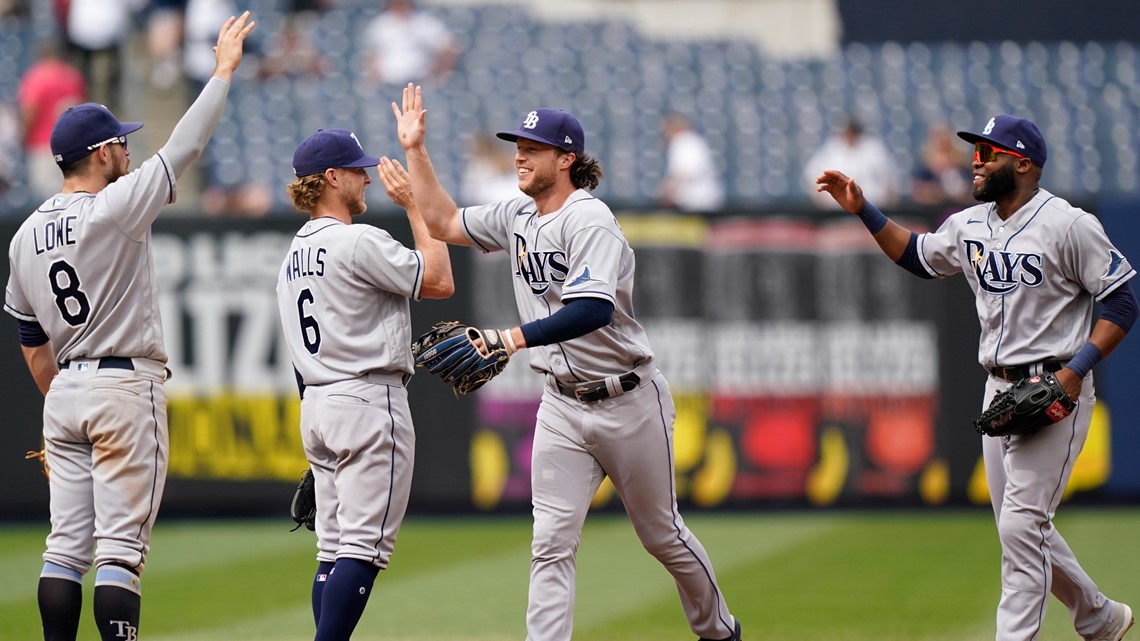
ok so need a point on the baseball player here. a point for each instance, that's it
(82, 289)
(606, 409)
(343, 295)
(1036, 264)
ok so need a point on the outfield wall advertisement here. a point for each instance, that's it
(806, 370)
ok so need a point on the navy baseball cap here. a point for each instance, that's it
(552, 127)
(1012, 133)
(330, 149)
(83, 128)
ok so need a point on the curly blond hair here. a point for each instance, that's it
(305, 191)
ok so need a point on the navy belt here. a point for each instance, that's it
(1018, 372)
(596, 390)
(110, 362)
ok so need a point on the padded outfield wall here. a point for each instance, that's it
(806, 368)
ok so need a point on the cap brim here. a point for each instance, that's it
(363, 161)
(973, 138)
(129, 127)
(513, 136)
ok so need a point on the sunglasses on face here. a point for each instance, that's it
(985, 152)
(121, 140)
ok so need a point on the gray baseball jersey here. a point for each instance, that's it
(1035, 276)
(580, 251)
(576, 252)
(82, 268)
(343, 294)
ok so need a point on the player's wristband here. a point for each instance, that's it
(509, 341)
(873, 219)
(1084, 360)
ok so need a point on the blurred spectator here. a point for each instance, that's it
(862, 157)
(47, 89)
(302, 6)
(408, 45)
(692, 181)
(163, 40)
(200, 34)
(292, 54)
(11, 135)
(97, 31)
(489, 173)
(252, 200)
(943, 175)
(14, 9)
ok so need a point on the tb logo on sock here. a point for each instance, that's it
(126, 630)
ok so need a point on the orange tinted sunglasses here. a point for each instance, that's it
(986, 152)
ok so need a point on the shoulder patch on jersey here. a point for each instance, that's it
(1114, 261)
(582, 278)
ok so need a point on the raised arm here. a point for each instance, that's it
(891, 237)
(440, 214)
(438, 281)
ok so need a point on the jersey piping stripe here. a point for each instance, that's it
(922, 257)
(673, 507)
(1028, 222)
(76, 198)
(24, 316)
(391, 474)
(1052, 505)
(332, 223)
(169, 177)
(1001, 332)
(418, 283)
(155, 468)
(1113, 285)
(467, 231)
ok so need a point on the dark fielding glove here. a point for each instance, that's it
(1032, 403)
(303, 509)
(448, 351)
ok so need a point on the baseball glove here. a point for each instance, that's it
(448, 351)
(1032, 403)
(303, 509)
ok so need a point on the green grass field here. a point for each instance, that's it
(840, 576)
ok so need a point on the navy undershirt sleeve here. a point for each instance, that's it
(1119, 307)
(578, 317)
(909, 259)
(31, 333)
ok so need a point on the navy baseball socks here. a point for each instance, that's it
(322, 577)
(60, 596)
(343, 599)
(118, 601)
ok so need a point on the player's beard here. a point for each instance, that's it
(353, 202)
(120, 166)
(996, 184)
(541, 182)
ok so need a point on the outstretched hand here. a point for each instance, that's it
(228, 51)
(844, 190)
(396, 182)
(411, 120)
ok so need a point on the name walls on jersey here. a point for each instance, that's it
(307, 261)
(232, 399)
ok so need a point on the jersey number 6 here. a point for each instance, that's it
(308, 323)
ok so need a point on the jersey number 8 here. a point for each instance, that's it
(68, 291)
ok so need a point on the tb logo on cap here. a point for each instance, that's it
(531, 120)
(989, 127)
